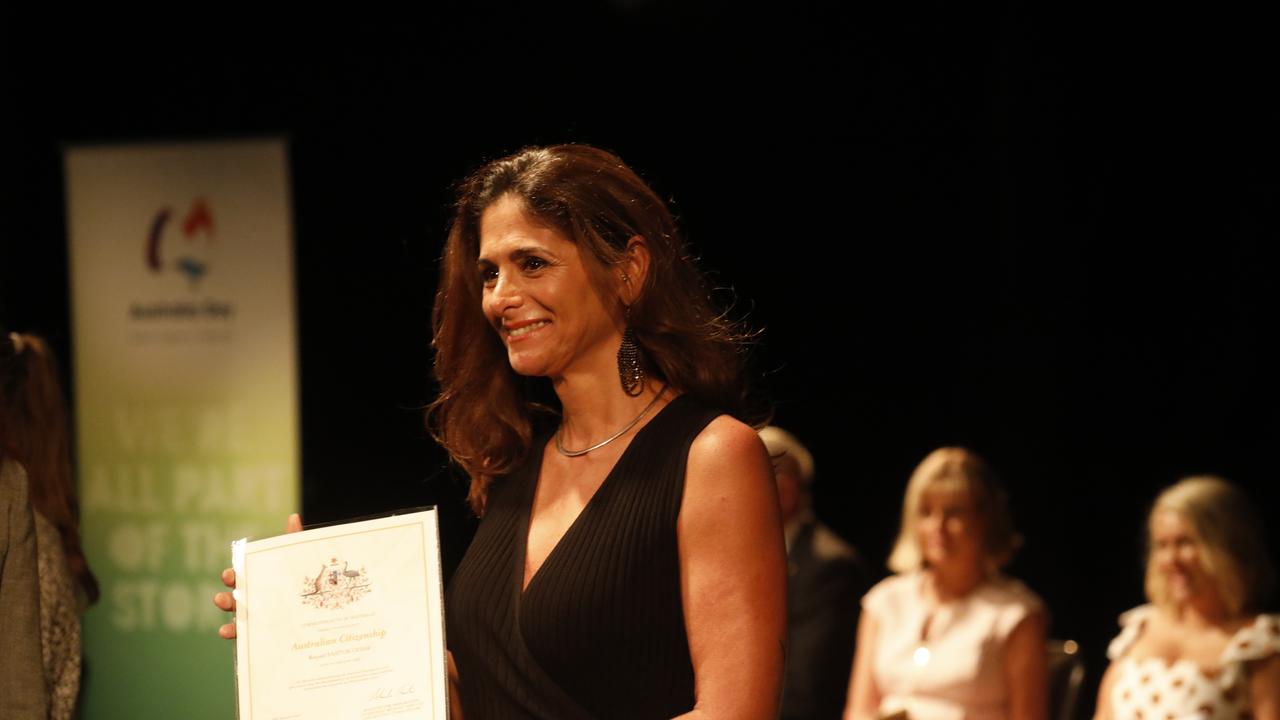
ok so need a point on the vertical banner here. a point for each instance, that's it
(186, 404)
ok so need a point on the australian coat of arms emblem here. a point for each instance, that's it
(335, 585)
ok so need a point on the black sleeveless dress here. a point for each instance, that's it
(599, 632)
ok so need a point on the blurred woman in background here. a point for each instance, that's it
(1201, 648)
(949, 636)
(22, 694)
(33, 424)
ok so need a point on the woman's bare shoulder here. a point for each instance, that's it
(726, 434)
(726, 453)
(728, 465)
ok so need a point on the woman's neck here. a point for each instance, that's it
(1203, 610)
(951, 582)
(594, 406)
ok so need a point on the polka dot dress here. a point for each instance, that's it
(1153, 689)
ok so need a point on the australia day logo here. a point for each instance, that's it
(335, 586)
(183, 246)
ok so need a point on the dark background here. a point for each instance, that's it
(1044, 232)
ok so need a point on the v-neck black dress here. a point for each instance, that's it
(599, 631)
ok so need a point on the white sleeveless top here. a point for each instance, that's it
(1152, 689)
(956, 671)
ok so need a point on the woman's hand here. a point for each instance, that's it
(227, 601)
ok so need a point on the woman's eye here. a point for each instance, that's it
(533, 263)
(488, 276)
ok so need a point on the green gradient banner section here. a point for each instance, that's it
(186, 404)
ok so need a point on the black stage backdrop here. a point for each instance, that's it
(1046, 233)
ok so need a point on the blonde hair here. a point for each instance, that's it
(1229, 535)
(963, 468)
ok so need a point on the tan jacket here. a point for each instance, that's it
(22, 691)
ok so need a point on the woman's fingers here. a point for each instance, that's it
(225, 600)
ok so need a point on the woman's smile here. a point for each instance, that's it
(518, 331)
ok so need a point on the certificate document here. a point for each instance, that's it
(342, 622)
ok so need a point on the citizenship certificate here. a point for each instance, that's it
(342, 622)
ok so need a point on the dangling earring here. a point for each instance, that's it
(630, 371)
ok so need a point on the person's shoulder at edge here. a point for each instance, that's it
(21, 682)
(13, 482)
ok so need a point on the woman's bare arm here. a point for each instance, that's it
(1103, 709)
(864, 696)
(733, 574)
(1264, 688)
(1026, 669)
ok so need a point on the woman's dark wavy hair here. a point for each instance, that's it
(484, 416)
(34, 432)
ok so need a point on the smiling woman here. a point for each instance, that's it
(629, 561)
(587, 203)
(640, 574)
(1201, 648)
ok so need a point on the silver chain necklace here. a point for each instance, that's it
(578, 453)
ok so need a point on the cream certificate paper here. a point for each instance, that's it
(342, 622)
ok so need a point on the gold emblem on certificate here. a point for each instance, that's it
(336, 585)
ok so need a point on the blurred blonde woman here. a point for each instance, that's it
(1200, 648)
(949, 636)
